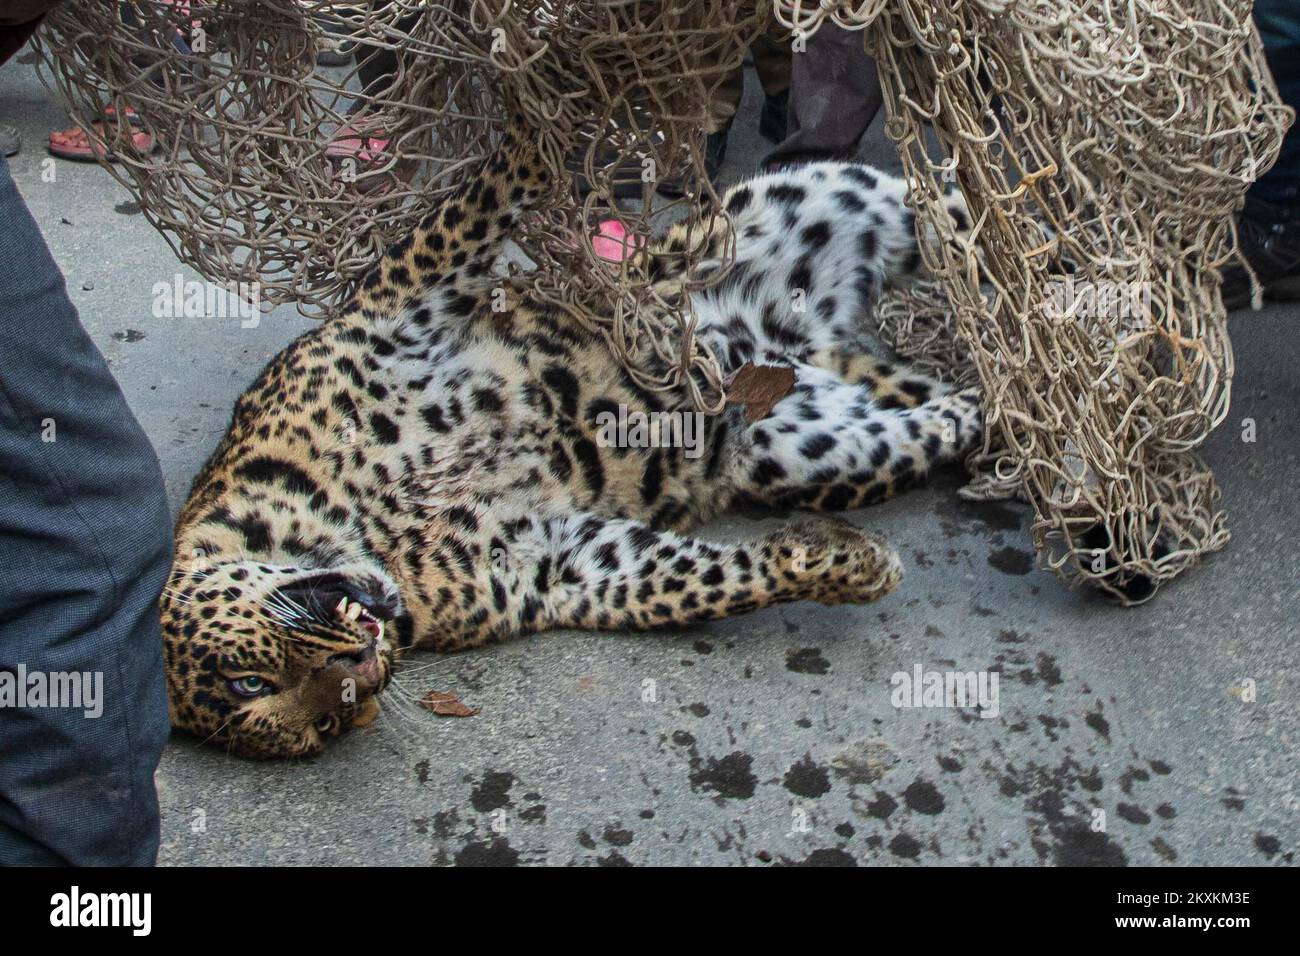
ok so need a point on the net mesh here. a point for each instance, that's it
(1101, 145)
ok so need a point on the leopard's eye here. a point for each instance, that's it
(251, 686)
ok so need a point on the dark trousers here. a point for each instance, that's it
(771, 55)
(85, 545)
(377, 66)
(834, 96)
(1279, 27)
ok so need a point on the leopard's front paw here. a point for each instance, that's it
(834, 562)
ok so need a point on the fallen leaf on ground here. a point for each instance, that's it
(759, 388)
(445, 703)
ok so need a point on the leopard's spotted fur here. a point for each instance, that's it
(435, 465)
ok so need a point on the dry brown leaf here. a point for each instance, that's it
(759, 388)
(445, 703)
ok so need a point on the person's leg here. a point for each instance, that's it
(86, 538)
(377, 66)
(834, 96)
(725, 101)
(1268, 228)
(772, 55)
(1279, 27)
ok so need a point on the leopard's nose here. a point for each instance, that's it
(361, 664)
(355, 658)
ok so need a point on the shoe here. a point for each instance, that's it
(10, 140)
(334, 46)
(75, 143)
(774, 120)
(715, 153)
(331, 51)
(357, 149)
(624, 178)
(625, 175)
(773, 163)
(1270, 241)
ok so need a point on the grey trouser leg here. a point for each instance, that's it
(834, 96)
(772, 64)
(85, 545)
(1279, 28)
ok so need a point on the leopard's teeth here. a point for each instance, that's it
(341, 609)
(354, 612)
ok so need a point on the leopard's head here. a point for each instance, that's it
(268, 661)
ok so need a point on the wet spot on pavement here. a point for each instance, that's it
(617, 836)
(1268, 845)
(906, 846)
(923, 797)
(492, 792)
(729, 777)
(1133, 814)
(806, 660)
(497, 853)
(882, 807)
(1012, 561)
(807, 778)
(1097, 722)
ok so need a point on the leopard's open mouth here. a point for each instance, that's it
(332, 596)
(359, 614)
(366, 662)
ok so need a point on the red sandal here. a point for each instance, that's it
(76, 144)
(367, 148)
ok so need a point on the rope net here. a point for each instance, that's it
(1101, 145)
(1103, 149)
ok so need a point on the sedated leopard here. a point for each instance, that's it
(427, 471)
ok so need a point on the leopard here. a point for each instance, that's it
(427, 470)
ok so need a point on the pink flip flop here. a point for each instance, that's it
(368, 149)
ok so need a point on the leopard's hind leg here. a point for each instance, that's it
(830, 445)
(452, 250)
